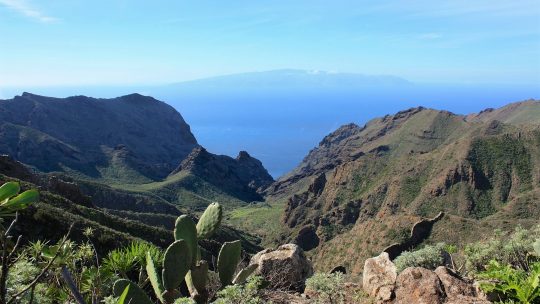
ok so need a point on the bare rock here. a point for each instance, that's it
(379, 277)
(285, 268)
(420, 286)
(453, 284)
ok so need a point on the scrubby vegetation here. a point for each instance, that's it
(328, 287)
(428, 257)
(507, 265)
(41, 272)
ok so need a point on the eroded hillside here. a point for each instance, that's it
(363, 188)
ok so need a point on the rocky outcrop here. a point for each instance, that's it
(379, 277)
(243, 177)
(307, 238)
(81, 133)
(416, 284)
(13, 168)
(454, 286)
(419, 285)
(419, 232)
(286, 267)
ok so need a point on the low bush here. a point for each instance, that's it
(328, 287)
(430, 257)
(241, 294)
(513, 249)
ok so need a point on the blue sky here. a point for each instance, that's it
(76, 42)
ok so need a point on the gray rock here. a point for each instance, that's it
(379, 277)
(454, 286)
(420, 286)
(286, 267)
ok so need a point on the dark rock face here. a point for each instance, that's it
(419, 232)
(307, 238)
(83, 133)
(13, 168)
(243, 177)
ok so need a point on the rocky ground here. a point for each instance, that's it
(288, 268)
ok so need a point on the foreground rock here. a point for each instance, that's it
(286, 267)
(419, 285)
(379, 277)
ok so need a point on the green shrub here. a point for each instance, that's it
(241, 294)
(512, 284)
(514, 249)
(429, 257)
(328, 287)
(127, 261)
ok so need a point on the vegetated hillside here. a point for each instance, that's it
(62, 203)
(128, 137)
(128, 149)
(204, 177)
(363, 188)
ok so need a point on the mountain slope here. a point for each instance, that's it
(62, 203)
(125, 138)
(363, 188)
(134, 148)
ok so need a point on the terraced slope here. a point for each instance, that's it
(62, 203)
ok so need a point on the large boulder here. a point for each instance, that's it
(379, 277)
(420, 286)
(286, 267)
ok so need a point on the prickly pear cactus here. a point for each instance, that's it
(199, 276)
(134, 295)
(155, 279)
(209, 221)
(228, 259)
(244, 274)
(185, 229)
(176, 264)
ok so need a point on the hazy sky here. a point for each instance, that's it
(74, 42)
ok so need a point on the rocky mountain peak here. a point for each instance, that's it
(340, 134)
(244, 175)
(243, 156)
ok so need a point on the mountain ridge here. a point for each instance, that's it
(363, 188)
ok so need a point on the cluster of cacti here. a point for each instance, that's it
(182, 262)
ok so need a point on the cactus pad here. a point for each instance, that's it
(242, 276)
(176, 264)
(155, 279)
(184, 229)
(134, 295)
(228, 259)
(209, 221)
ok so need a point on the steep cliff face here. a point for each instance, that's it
(242, 177)
(362, 189)
(129, 137)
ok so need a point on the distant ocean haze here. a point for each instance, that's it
(280, 116)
